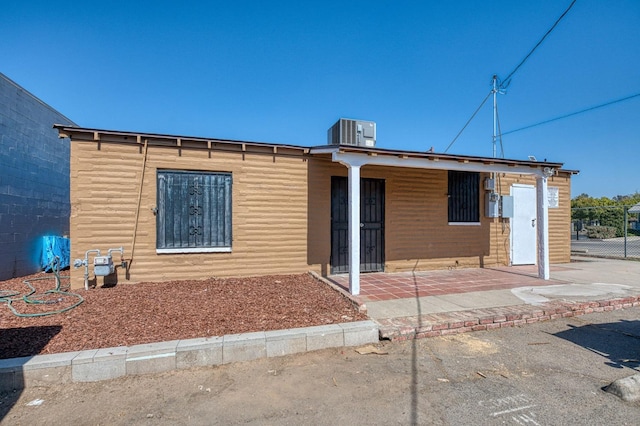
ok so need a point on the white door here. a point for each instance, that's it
(523, 225)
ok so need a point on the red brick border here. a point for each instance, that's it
(432, 325)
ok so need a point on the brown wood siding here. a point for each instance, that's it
(269, 211)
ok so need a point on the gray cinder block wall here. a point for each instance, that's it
(34, 178)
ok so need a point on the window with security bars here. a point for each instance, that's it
(464, 197)
(194, 212)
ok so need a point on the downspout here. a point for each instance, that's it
(135, 225)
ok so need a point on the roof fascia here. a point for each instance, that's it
(70, 131)
(435, 163)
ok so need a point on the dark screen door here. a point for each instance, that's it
(371, 225)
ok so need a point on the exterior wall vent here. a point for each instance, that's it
(352, 132)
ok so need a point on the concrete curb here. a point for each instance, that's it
(443, 324)
(110, 363)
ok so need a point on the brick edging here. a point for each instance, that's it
(355, 300)
(433, 325)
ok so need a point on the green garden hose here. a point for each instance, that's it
(29, 298)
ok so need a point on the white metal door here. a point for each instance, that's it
(523, 225)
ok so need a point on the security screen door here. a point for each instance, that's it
(371, 225)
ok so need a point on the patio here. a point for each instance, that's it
(412, 305)
(381, 286)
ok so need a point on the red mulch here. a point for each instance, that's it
(133, 314)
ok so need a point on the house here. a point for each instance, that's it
(180, 207)
(633, 222)
(34, 179)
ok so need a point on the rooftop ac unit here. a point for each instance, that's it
(352, 132)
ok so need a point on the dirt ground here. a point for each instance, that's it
(133, 314)
(549, 373)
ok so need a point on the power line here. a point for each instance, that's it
(504, 83)
(507, 80)
(573, 113)
(469, 120)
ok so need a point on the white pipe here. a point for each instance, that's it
(86, 266)
(121, 250)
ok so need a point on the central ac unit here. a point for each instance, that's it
(352, 132)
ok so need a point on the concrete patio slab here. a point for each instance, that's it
(481, 299)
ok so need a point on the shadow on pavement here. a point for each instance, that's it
(619, 342)
(17, 346)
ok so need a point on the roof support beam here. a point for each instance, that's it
(542, 217)
(423, 163)
(354, 229)
(353, 167)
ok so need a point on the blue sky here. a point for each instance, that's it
(285, 71)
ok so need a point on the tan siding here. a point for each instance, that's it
(269, 221)
(560, 221)
(417, 234)
(559, 218)
(281, 219)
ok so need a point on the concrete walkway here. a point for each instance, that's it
(583, 286)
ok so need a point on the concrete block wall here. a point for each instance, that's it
(34, 178)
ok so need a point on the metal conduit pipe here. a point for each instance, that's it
(135, 222)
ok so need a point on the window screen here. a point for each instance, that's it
(464, 196)
(194, 210)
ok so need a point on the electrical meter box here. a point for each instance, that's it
(491, 204)
(507, 206)
(490, 184)
(103, 266)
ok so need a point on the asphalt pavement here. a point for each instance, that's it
(608, 247)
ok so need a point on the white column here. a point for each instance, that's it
(542, 217)
(354, 229)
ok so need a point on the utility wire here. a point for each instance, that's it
(506, 81)
(469, 120)
(572, 114)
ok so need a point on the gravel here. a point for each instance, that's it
(131, 314)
